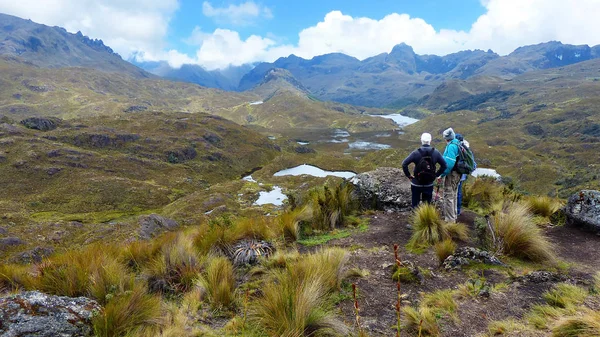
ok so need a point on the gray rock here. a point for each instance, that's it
(583, 210)
(541, 276)
(465, 255)
(42, 124)
(5, 243)
(385, 188)
(9, 129)
(3, 231)
(34, 255)
(36, 314)
(154, 224)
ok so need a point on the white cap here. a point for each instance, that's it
(426, 138)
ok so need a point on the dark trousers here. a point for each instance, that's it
(419, 194)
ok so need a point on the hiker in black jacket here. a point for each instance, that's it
(424, 174)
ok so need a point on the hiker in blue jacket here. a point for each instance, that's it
(425, 158)
(450, 177)
(463, 177)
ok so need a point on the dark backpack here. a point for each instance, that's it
(425, 169)
(465, 162)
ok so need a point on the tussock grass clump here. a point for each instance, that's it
(331, 205)
(176, 269)
(421, 319)
(292, 307)
(511, 328)
(108, 279)
(565, 295)
(326, 264)
(520, 236)
(543, 206)
(218, 283)
(290, 222)
(440, 301)
(483, 194)
(140, 254)
(220, 234)
(458, 231)
(281, 259)
(597, 281)
(540, 315)
(587, 325)
(428, 228)
(14, 277)
(443, 249)
(128, 313)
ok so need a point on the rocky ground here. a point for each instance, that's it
(372, 250)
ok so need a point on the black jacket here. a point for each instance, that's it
(415, 157)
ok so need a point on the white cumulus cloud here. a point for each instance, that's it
(242, 14)
(126, 26)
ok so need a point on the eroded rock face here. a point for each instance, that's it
(154, 224)
(583, 210)
(384, 188)
(36, 314)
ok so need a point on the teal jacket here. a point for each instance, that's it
(450, 154)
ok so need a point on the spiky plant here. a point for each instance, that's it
(218, 283)
(520, 236)
(251, 251)
(428, 228)
(443, 249)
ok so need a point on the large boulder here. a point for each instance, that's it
(154, 224)
(40, 315)
(583, 210)
(385, 188)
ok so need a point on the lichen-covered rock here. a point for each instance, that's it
(541, 276)
(154, 224)
(583, 210)
(384, 188)
(466, 255)
(34, 255)
(42, 124)
(40, 315)
(6, 243)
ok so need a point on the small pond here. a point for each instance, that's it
(275, 197)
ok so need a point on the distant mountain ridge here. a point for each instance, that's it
(54, 47)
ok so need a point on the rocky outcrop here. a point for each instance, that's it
(154, 224)
(7, 243)
(34, 255)
(467, 255)
(583, 210)
(40, 315)
(42, 124)
(384, 188)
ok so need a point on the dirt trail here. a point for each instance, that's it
(373, 250)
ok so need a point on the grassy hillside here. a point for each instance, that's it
(78, 92)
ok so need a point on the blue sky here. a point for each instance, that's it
(220, 33)
(290, 17)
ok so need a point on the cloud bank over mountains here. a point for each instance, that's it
(140, 28)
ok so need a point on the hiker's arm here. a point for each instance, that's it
(440, 160)
(450, 157)
(405, 163)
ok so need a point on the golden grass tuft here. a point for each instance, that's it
(422, 318)
(291, 306)
(218, 283)
(587, 325)
(108, 279)
(428, 228)
(176, 269)
(290, 222)
(482, 194)
(128, 313)
(543, 206)
(458, 231)
(443, 249)
(281, 259)
(326, 264)
(331, 205)
(520, 236)
(15, 277)
(440, 301)
(565, 295)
